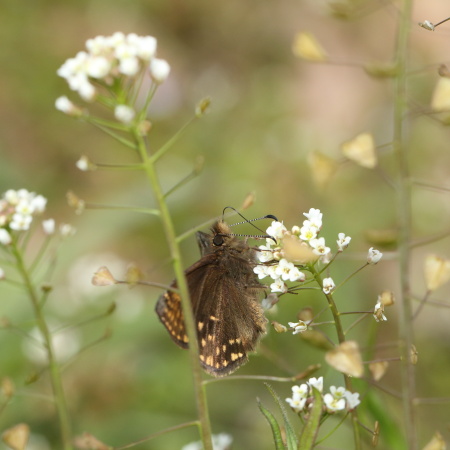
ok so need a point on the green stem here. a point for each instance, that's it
(406, 337)
(55, 374)
(341, 338)
(191, 329)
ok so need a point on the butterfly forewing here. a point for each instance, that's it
(224, 292)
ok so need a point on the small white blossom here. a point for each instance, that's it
(146, 47)
(295, 230)
(261, 271)
(333, 404)
(5, 237)
(278, 286)
(287, 271)
(124, 113)
(378, 312)
(343, 241)
(38, 204)
(129, 65)
(48, 226)
(298, 326)
(352, 399)
(308, 231)
(24, 207)
(20, 222)
(87, 91)
(328, 285)
(66, 230)
(64, 105)
(319, 247)
(315, 217)
(316, 383)
(83, 163)
(12, 197)
(159, 70)
(296, 403)
(373, 256)
(337, 392)
(98, 67)
(276, 230)
(265, 253)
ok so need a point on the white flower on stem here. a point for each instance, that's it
(278, 286)
(124, 113)
(319, 247)
(298, 326)
(343, 241)
(316, 383)
(328, 285)
(295, 230)
(308, 231)
(265, 253)
(287, 271)
(20, 222)
(83, 163)
(11, 196)
(129, 66)
(337, 392)
(87, 91)
(159, 70)
(373, 256)
(315, 217)
(146, 47)
(378, 312)
(48, 226)
(25, 207)
(352, 399)
(2, 274)
(98, 45)
(271, 272)
(5, 237)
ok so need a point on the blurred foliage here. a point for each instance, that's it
(269, 111)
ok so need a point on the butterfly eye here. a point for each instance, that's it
(218, 240)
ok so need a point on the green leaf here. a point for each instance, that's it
(311, 428)
(276, 431)
(291, 438)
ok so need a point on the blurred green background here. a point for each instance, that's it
(269, 111)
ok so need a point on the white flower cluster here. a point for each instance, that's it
(272, 255)
(106, 59)
(338, 399)
(17, 209)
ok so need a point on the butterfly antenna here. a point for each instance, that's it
(249, 221)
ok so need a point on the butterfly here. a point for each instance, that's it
(224, 294)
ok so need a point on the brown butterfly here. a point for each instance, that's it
(224, 294)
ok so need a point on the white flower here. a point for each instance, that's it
(98, 45)
(146, 47)
(328, 285)
(66, 230)
(333, 404)
(124, 113)
(48, 226)
(337, 392)
(261, 271)
(220, 441)
(276, 230)
(378, 312)
(83, 163)
(159, 70)
(297, 404)
(287, 271)
(352, 399)
(373, 256)
(319, 247)
(24, 207)
(343, 241)
(98, 67)
(11, 196)
(265, 253)
(20, 222)
(87, 91)
(295, 230)
(64, 105)
(38, 204)
(5, 237)
(271, 272)
(308, 231)
(278, 286)
(298, 326)
(300, 391)
(299, 397)
(2, 274)
(315, 217)
(316, 383)
(129, 65)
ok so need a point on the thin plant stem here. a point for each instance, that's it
(341, 338)
(55, 373)
(406, 337)
(169, 230)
